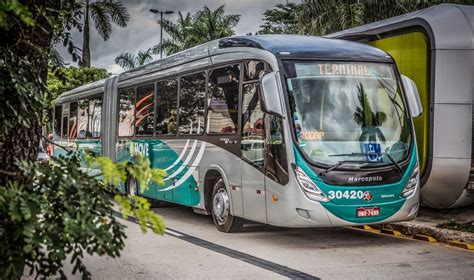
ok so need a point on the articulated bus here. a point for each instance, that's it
(292, 131)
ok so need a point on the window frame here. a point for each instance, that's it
(101, 97)
(178, 77)
(135, 110)
(205, 71)
(117, 123)
(264, 132)
(239, 102)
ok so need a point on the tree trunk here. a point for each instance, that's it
(86, 52)
(20, 126)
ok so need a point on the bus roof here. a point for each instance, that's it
(303, 46)
(282, 46)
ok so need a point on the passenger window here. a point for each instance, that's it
(254, 69)
(126, 112)
(72, 120)
(94, 117)
(252, 125)
(277, 163)
(83, 112)
(191, 103)
(166, 107)
(65, 121)
(223, 100)
(144, 109)
(57, 120)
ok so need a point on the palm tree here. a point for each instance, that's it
(181, 34)
(211, 25)
(320, 17)
(103, 13)
(283, 19)
(192, 30)
(129, 61)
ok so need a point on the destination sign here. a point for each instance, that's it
(342, 69)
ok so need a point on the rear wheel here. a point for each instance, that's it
(221, 215)
(132, 190)
(132, 186)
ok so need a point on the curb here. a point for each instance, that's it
(427, 233)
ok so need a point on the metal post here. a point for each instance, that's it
(161, 35)
(155, 11)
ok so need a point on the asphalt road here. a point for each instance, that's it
(193, 248)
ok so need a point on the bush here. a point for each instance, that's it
(66, 212)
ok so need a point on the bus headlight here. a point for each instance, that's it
(309, 187)
(412, 184)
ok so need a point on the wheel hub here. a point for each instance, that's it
(220, 206)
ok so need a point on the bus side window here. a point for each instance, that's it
(277, 163)
(252, 125)
(73, 121)
(191, 103)
(144, 110)
(126, 112)
(166, 107)
(65, 122)
(223, 100)
(253, 70)
(94, 117)
(58, 111)
(82, 114)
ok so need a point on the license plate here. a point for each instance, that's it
(368, 212)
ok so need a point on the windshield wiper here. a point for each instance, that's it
(338, 164)
(399, 168)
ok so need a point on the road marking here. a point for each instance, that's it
(174, 233)
(268, 265)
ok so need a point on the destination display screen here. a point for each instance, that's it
(342, 69)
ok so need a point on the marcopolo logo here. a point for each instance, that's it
(139, 149)
(367, 179)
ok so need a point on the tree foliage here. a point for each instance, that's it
(192, 30)
(56, 216)
(52, 210)
(129, 60)
(283, 19)
(103, 13)
(63, 79)
(320, 17)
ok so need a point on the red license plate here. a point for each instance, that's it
(368, 211)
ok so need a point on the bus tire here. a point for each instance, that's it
(221, 214)
(131, 186)
(132, 190)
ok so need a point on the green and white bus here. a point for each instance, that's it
(293, 131)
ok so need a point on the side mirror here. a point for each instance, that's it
(413, 98)
(270, 93)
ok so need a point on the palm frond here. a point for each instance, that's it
(101, 20)
(143, 57)
(116, 10)
(126, 61)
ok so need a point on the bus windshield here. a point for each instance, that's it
(347, 112)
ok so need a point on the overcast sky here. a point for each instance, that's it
(143, 31)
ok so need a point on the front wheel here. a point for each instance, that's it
(221, 215)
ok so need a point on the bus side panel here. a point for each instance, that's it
(173, 156)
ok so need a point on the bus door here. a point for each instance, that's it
(253, 159)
